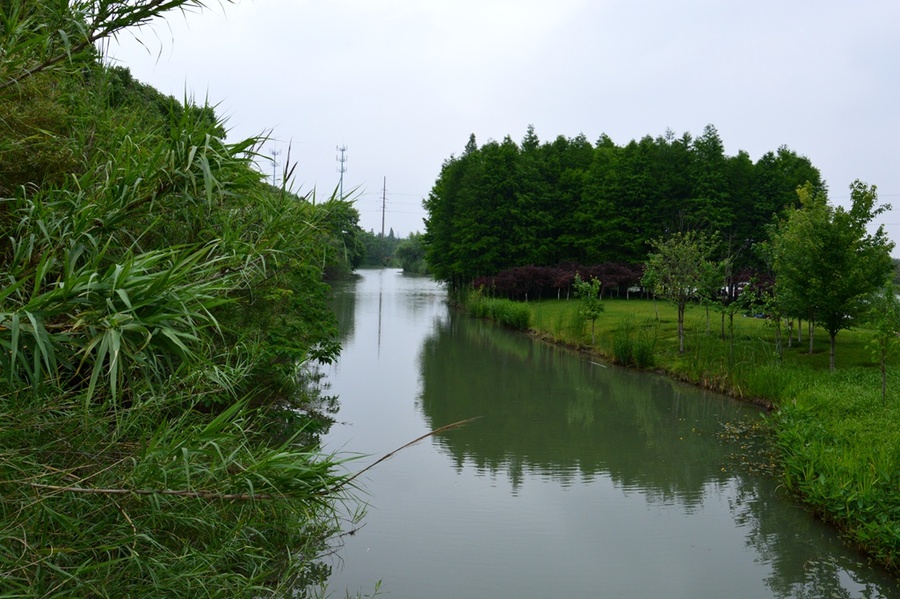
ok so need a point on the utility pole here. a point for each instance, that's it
(274, 154)
(383, 201)
(341, 168)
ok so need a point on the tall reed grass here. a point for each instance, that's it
(157, 304)
(632, 343)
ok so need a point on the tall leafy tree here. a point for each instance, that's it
(709, 205)
(827, 263)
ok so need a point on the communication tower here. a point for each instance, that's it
(342, 168)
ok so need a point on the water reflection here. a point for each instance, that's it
(568, 419)
(802, 553)
(546, 414)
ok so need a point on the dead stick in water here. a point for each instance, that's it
(436, 431)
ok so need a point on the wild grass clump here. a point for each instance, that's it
(634, 344)
(622, 341)
(149, 503)
(512, 314)
(840, 452)
(645, 346)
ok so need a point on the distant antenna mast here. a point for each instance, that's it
(274, 154)
(383, 199)
(342, 160)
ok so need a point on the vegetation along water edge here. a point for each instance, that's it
(162, 312)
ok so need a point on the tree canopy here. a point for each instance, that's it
(504, 205)
(677, 269)
(827, 264)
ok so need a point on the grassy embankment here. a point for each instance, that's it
(839, 442)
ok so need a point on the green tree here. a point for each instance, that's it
(501, 205)
(883, 318)
(675, 270)
(709, 206)
(827, 263)
(591, 302)
(346, 249)
(410, 254)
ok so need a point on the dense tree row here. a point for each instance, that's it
(504, 204)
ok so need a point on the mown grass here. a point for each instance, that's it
(838, 440)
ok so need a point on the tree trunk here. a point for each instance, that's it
(810, 335)
(681, 328)
(779, 351)
(731, 344)
(831, 356)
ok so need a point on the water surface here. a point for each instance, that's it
(577, 480)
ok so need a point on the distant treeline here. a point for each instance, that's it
(505, 205)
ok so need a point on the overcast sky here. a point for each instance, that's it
(402, 83)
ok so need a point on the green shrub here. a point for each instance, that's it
(623, 347)
(645, 346)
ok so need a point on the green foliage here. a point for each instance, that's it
(678, 268)
(883, 319)
(591, 301)
(838, 442)
(633, 344)
(160, 312)
(506, 312)
(157, 502)
(345, 249)
(410, 254)
(826, 262)
(379, 249)
(504, 205)
(56, 35)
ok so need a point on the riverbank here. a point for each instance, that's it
(838, 441)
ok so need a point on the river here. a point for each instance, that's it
(578, 479)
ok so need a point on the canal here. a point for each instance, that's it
(577, 479)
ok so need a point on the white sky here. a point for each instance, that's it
(402, 83)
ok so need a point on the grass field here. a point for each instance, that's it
(837, 438)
